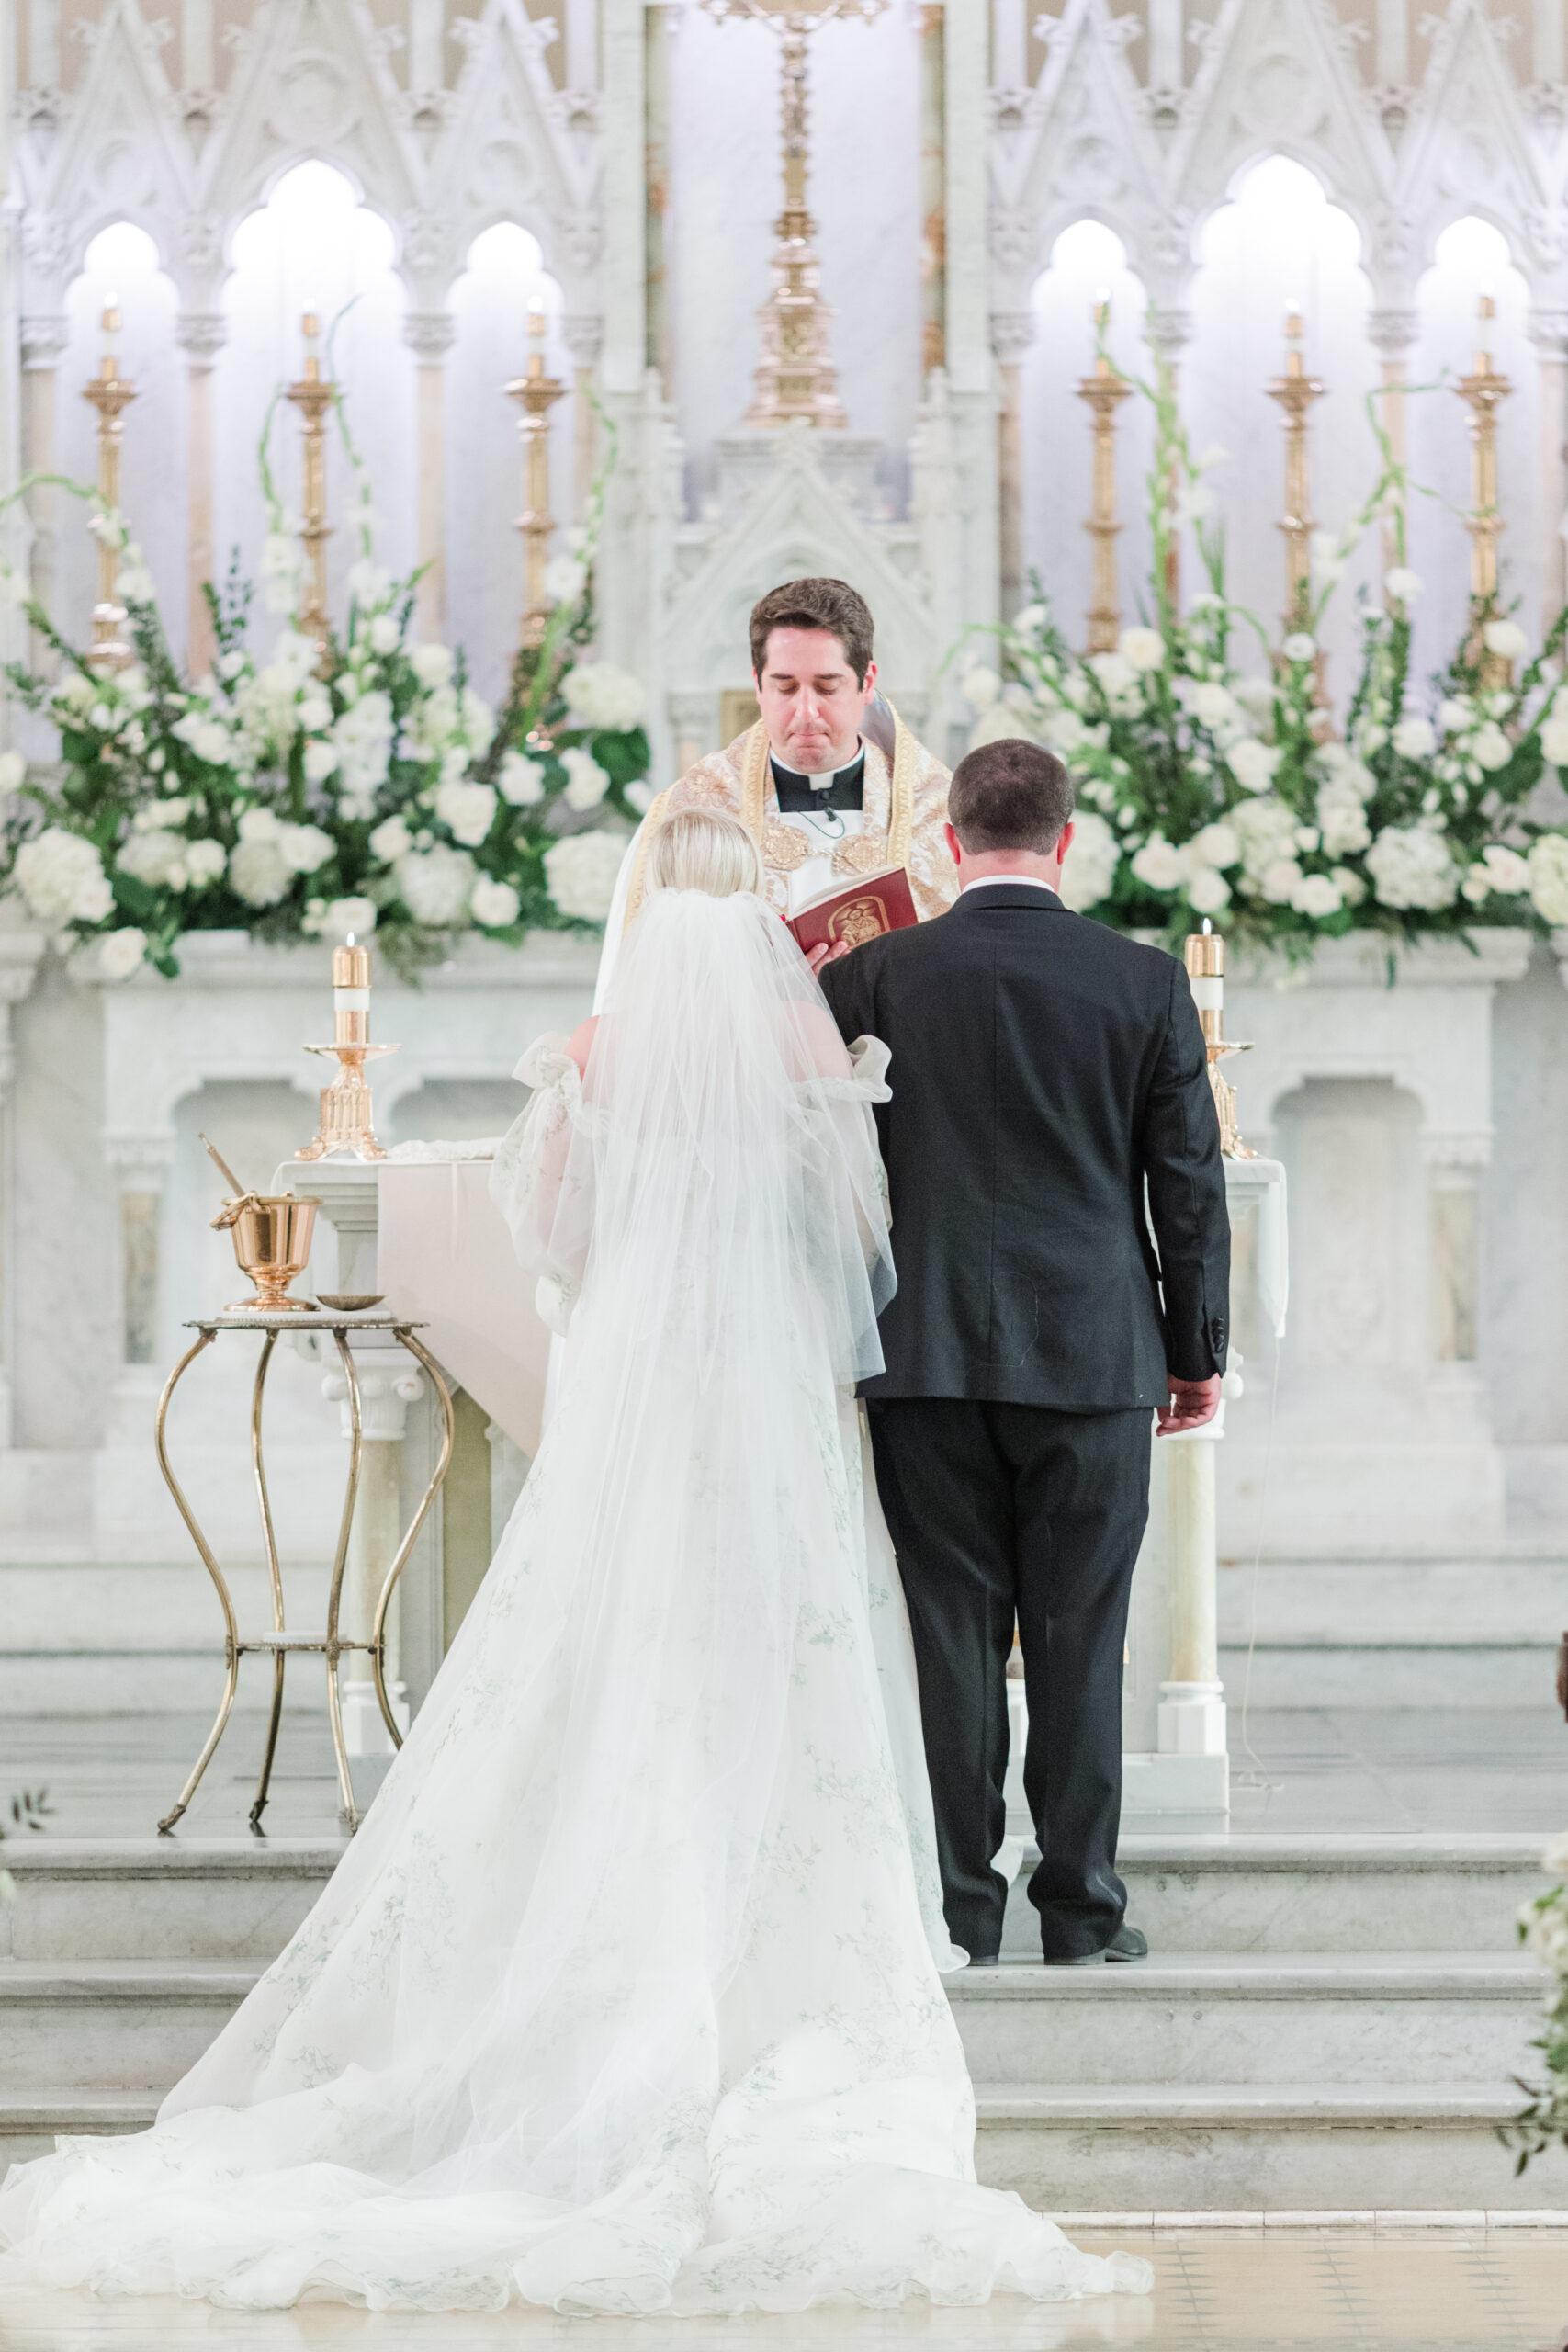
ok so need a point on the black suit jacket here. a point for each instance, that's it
(1044, 1071)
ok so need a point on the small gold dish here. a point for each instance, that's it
(272, 1242)
(351, 1302)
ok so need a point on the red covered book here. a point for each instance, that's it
(863, 909)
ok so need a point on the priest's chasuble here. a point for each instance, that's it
(903, 805)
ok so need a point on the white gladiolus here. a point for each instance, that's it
(1403, 584)
(1548, 879)
(390, 840)
(1217, 844)
(436, 885)
(980, 687)
(303, 848)
(1553, 741)
(281, 569)
(1208, 891)
(564, 580)
(62, 877)
(1490, 748)
(493, 904)
(1416, 738)
(1090, 867)
(134, 584)
(1411, 866)
(1252, 763)
(1142, 649)
(1498, 872)
(1318, 896)
(369, 584)
(121, 953)
(600, 695)
(581, 872)
(431, 666)
(467, 809)
(587, 782)
(1159, 866)
(12, 772)
(1507, 640)
(521, 780)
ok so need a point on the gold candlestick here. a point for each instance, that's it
(1103, 391)
(110, 394)
(346, 1120)
(796, 377)
(1483, 392)
(1203, 953)
(1295, 391)
(536, 394)
(313, 396)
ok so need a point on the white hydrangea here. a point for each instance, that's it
(1416, 738)
(1490, 748)
(466, 810)
(1159, 865)
(257, 871)
(587, 782)
(1411, 866)
(1350, 776)
(342, 916)
(1141, 649)
(303, 848)
(362, 734)
(390, 839)
(204, 861)
(1456, 715)
(121, 952)
(598, 695)
(1090, 867)
(61, 878)
(1342, 822)
(436, 885)
(320, 759)
(208, 738)
(1507, 640)
(1252, 763)
(1213, 705)
(1549, 877)
(1352, 886)
(1317, 895)
(1280, 881)
(581, 872)
(155, 858)
(1218, 844)
(1266, 829)
(521, 780)
(1207, 890)
(1115, 672)
(493, 904)
(431, 666)
(1554, 740)
(1498, 872)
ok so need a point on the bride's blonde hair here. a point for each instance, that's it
(705, 849)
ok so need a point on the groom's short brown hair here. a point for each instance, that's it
(831, 605)
(1010, 795)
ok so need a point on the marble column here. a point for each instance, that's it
(1013, 332)
(388, 1384)
(584, 333)
(1548, 330)
(141, 1164)
(430, 334)
(201, 335)
(43, 340)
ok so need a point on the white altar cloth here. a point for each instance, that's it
(444, 1254)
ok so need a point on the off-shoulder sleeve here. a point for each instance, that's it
(516, 1176)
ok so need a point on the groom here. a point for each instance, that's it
(1048, 1079)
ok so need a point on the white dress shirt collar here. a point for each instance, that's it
(992, 881)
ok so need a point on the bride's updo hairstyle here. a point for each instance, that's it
(708, 850)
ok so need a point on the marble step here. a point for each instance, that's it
(174, 1898)
(111, 2024)
(30, 2121)
(1253, 2018)
(1280, 2148)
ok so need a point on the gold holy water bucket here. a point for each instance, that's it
(272, 1241)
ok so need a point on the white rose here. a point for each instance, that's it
(581, 872)
(1353, 890)
(1218, 844)
(120, 953)
(342, 916)
(1403, 584)
(436, 885)
(1547, 877)
(12, 772)
(493, 904)
(980, 687)
(153, 857)
(1416, 738)
(383, 633)
(303, 848)
(564, 578)
(1252, 763)
(1089, 868)
(521, 780)
(600, 695)
(1280, 881)
(467, 809)
(1507, 640)
(587, 782)
(1318, 895)
(1142, 649)
(390, 839)
(1553, 741)
(1490, 748)
(257, 872)
(1411, 866)
(1213, 705)
(62, 877)
(1497, 871)
(1208, 891)
(315, 713)
(320, 759)
(1159, 866)
(1299, 646)
(431, 666)
(1455, 715)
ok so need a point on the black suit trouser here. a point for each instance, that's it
(997, 1511)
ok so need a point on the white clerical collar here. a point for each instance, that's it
(1013, 881)
(822, 783)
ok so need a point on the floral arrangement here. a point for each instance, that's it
(1204, 791)
(1543, 1925)
(309, 790)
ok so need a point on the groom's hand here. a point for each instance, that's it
(822, 954)
(1192, 1402)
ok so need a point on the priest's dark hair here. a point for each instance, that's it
(831, 605)
(1010, 795)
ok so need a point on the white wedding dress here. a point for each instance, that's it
(624, 1999)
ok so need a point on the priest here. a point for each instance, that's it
(829, 780)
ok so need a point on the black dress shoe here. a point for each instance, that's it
(984, 1960)
(1127, 1943)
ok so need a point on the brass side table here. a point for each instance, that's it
(279, 1643)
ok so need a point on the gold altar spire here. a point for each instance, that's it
(313, 396)
(1483, 391)
(1104, 391)
(109, 393)
(1295, 391)
(536, 394)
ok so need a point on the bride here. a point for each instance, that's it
(626, 1998)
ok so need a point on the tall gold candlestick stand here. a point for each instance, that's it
(1203, 953)
(536, 394)
(1295, 391)
(1103, 391)
(110, 395)
(796, 377)
(1484, 392)
(313, 396)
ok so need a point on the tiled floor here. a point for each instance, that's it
(1215, 2291)
(1309, 1769)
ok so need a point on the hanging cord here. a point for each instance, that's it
(1258, 1778)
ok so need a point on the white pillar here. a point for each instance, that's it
(1192, 1707)
(141, 1164)
(1548, 330)
(201, 335)
(1009, 44)
(430, 334)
